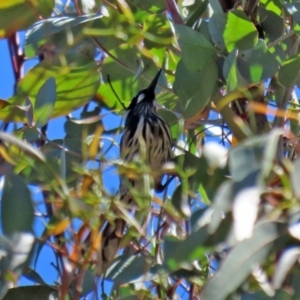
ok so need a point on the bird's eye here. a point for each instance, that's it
(140, 98)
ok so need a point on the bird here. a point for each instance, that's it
(143, 126)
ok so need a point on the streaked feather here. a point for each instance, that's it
(142, 126)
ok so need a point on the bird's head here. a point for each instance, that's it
(145, 96)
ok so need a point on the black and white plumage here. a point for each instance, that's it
(143, 126)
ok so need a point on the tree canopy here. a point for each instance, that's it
(227, 227)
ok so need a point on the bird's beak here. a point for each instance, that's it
(151, 87)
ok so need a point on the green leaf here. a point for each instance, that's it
(18, 15)
(239, 263)
(127, 269)
(230, 71)
(221, 204)
(16, 204)
(159, 27)
(37, 292)
(74, 86)
(88, 282)
(154, 6)
(271, 22)
(61, 32)
(28, 148)
(86, 124)
(260, 63)
(192, 42)
(179, 252)
(11, 112)
(216, 26)
(286, 261)
(289, 71)
(295, 178)
(168, 100)
(247, 156)
(270, 151)
(279, 295)
(169, 116)
(180, 202)
(216, 6)
(33, 276)
(239, 31)
(194, 89)
(274, 6)
(45, 101)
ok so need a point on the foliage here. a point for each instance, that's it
(228, 228)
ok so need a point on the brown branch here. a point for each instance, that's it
(16, 55)
(174, 12)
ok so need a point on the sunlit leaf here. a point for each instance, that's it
(288, 72)
(239, 31)
(179, 252)
(11, 139)
(58, 33)
(23, 12)
(74, 86)
(259, 64)
(160, 28)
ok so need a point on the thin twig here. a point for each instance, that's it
(113, 90)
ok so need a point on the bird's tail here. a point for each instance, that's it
(111, 239)
(113, 232)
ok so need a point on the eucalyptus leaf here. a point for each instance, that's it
(288, 72)
(194, 89)
(261, 64)
(38, 292)
(45, 101)
(240, 261)
(58, 31)
(22, 11)
(239, 31)
(16, 204)
(74, 86)
(230, 71)
(180, 252)
(127, 269)
(192, 42)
